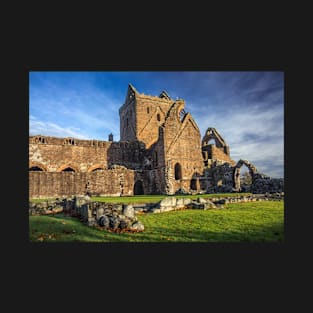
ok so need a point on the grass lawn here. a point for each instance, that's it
(240, 222)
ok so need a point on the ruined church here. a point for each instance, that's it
(160, 152)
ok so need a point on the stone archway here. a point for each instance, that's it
(35, 169)
(95, 168)
(68, 168)
(236, 173)
(138, 188)
(35, 166)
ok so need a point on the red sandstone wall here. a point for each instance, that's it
(182, 145)
(148, 109)
(219, 154)
(84, 155)
(128, 120)
(81, 156)
(108, 182)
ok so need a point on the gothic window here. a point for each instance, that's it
(97, 169)
(68, 169)
(40, 140)
(155, 159)
(158, 117)
(178, 171)
(193, 184)
(138, 188)
(35, 168)
(69, 141)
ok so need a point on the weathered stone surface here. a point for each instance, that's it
(104, 221)
(138, 226)
(168, 202)
(201, 200)
(182, 202)
(129, 211)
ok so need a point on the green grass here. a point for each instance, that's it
(240, 222)
(150, 198)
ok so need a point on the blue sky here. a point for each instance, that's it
(246, 108)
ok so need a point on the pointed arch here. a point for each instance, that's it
(212, 133)
(40, 139)
(155, 158)
(178, 171)
(95, 167)
(36, 166)
(236, 173)
(68, 168)
(138, 188)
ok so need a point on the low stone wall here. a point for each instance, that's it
(109, 216)
(50, 207)
(172, 203)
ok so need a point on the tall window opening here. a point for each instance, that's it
(178, 171)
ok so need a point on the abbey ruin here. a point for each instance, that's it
(160, 152)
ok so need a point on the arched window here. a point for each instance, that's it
(178, 171)
(148, 110)
(193, 184)
(155, 159)
(244, 177)
(35, 168)
(138, 188)
(158, 117)
(97, 169)
(211, 142)
(68, 169)
(40, 140)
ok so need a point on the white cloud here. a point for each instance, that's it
(265, 149)
(52, 129)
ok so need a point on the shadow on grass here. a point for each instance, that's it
(64, 229)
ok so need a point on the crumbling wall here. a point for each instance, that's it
(226, 178)
(264, 184)
(218, 152)
(219, 178)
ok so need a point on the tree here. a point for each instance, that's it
(246, 179)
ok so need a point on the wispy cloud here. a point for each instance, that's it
(256, 135)
(52, 129)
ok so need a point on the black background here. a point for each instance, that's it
(164, 276)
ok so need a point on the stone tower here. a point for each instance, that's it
(141, 115)
(171, 136)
